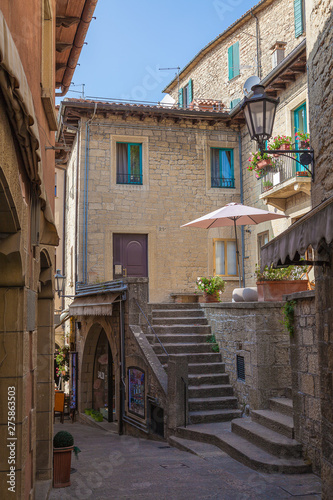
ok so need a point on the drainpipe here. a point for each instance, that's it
(241, 199)
(123, 374)
(78, 156)
(258, 45)
(85, 197)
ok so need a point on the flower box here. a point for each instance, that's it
(273, 291)
(302, 173)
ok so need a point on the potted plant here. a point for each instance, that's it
(63, 445)
(272, 283)
(302, 173)
(280, 142)
(259, 161)
(267, 185)
(212, 287)
(303, 140)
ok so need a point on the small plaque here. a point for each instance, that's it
(118, 269)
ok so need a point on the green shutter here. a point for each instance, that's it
(298, 15)
(190, 91)
(230, 64)
(235, 57)
(234, 103)
(180, 98)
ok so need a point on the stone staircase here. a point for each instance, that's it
(265, 441)
(183, 329)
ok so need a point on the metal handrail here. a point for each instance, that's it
(151, 327)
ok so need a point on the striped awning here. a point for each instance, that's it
(315, 229)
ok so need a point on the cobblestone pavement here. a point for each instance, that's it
(123, 467)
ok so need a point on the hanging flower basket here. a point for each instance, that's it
(264, 163)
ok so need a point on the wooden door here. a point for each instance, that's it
(130, 256)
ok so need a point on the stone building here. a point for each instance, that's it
(267, 42)
(30, 70)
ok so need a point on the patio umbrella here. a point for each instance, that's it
(234, 214)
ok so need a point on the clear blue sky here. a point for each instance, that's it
(131, 39)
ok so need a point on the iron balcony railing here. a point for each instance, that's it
(129, 179)
(284, 168)
(223, 182)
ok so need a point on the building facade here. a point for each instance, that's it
(30, 71)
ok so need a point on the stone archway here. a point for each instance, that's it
(90, 368)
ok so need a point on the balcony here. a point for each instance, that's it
(286, 179)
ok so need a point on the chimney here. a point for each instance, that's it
(277, 53)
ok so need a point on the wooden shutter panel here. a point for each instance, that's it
(180, 98)
(190, 91)
(235, 57)
(298, 15)
(234, 103)
(230, 63)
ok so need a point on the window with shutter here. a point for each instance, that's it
(234, 103)
(298, 16)
(233, 61)
(180, 98)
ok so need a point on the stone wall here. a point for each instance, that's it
(253, 331)
(176, 189)
(210, 73)
(306, 377)
(319, 49)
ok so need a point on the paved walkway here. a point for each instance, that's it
(123, 467)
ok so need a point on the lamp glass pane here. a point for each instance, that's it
(248, 121)
(270, 113)
(257, 112)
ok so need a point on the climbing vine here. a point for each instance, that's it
(288, 316)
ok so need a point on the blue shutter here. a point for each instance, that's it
(234, 102)
(190, 91)
(298, 15)
(180, 98)
(235, 57)
(230, 63)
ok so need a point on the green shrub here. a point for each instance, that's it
(63, 439)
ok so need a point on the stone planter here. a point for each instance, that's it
(273, 291)
(62, 458)
(210, 297)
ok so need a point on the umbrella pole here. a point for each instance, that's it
(237, 254)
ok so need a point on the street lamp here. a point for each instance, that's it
(59, 283)
(259, 111)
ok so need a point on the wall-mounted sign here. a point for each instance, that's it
(136, 392)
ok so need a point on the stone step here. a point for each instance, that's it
(166, 306)
(212, 403)
(175, 338)
(275, 421)
(282, 405)
(213, 367)
(242, 450)
(204, 359)
(208, 391)
(270, 441)
(182, 329)
(209, 416)
(203, 450)
(179, 320)
(183, 348)
(208, 378)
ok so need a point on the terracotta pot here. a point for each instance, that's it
(284, 147)
(62, 458)
(302, 174)
(211, 297)
(264, 163)
(273, 291)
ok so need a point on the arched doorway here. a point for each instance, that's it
(103, 386)
(98, 377)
